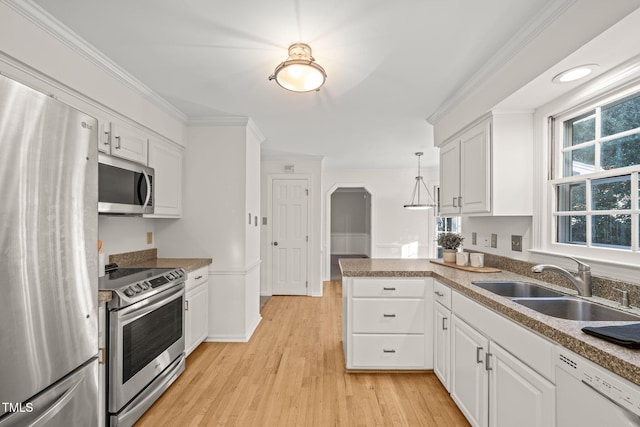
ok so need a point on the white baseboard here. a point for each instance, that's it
(235, 338)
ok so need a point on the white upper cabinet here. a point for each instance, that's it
(486, 169)
(166, 160)
(129, 142)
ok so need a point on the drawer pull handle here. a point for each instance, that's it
(444, 324)
(198, 278)
(388, 315)
(478, 351)
(388, 289)
(384, 350)
(440, 294)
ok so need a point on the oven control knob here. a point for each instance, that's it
(144, 286)
(129, 292)
(137, 288)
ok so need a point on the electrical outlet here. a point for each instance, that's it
(149, 237)
(516, 243)
(474, 238)
(487, 242)
(494, 240)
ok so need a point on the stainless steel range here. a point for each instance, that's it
(145, 343)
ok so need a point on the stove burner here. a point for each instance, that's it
(132, 284)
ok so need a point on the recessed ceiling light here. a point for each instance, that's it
(574, 74)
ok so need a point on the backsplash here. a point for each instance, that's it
(602, 287)
(133, 258)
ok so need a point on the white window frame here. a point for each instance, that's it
(622, 264)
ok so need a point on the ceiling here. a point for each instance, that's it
(390, 64)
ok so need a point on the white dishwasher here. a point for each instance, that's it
(589, 395)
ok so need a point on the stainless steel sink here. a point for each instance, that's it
(575, 309)
(515, 289)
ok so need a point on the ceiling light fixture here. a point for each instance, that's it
(574, 74)
(415, 203)
(300, 72)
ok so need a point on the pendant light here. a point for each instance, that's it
(416, 203)
(300, 72)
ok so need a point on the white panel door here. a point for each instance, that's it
(518, 395)
(290, 236)
(450, 178)
(441, 340)
(469, 378)
(475, 168)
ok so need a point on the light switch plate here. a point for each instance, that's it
(149, 237)
(474, 238)
(494, 240)
(516, 243)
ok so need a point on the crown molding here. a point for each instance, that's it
(217, 121)
(247, 122)
(65, 35)
(523, 37)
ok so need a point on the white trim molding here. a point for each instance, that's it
(34, 13)
(527, 33)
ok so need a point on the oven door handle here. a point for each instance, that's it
(141, 308)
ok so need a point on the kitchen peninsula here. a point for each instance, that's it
(622, 361)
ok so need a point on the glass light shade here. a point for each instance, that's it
(299, 73)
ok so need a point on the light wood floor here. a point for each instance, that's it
(292, 373)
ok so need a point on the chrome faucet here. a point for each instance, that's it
(582, 280)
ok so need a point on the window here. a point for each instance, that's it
(596, 176)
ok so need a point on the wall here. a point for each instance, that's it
(504, 227)
(125, 234)
(395, 232)
(307, 168)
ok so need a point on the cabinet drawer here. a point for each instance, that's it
(398, 316)
(388, 288)
(196, 277)
(388, 351)
(442, 294)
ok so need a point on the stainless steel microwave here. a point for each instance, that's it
(124, 187)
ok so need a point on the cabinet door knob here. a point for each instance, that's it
(478, 351)
(444, 324)
(275, 243)
(388, 289)
(440, 294)
(388, 315)
(117, 142)
(455, 202)
(198, 278)
(384, 350)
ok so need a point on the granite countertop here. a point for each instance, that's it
(149, 258)
(621, 360)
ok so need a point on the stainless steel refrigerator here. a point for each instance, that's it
(48, 261)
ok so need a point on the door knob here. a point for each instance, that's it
(275, 243)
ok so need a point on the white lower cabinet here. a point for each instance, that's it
(469, 379)
(387, 323)
(501, 373)
(442, 334)
(518, 396)
(196, 306)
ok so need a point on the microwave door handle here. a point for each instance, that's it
(148, 181)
